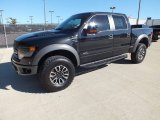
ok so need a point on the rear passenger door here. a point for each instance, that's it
(122, 35)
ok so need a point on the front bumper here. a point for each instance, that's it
(23, 69)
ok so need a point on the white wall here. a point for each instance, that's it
(133, 21)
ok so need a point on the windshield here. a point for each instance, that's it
(74, 22)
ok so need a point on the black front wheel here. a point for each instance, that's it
(140, 53)
(57, 73)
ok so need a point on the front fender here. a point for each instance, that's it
(55, 47)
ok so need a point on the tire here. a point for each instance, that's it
(57, 73)
(140, 53)
(155, 38)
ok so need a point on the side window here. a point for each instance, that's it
(100, 22)
(120, 22)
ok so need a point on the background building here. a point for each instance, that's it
(133, 21)
(153, 22)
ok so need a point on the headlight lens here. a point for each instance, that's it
(26, 51)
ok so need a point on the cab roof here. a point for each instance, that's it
(109, 13)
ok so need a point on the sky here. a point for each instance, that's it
(22, 9)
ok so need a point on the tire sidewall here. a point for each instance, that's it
(46, 73)
(138, 50)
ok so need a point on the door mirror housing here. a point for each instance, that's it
(90, 30)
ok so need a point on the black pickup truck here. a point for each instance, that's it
(156, 32)
(83, 40)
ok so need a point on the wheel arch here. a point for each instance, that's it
(141, 39)
(57, 49)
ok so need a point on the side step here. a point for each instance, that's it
(105, 61)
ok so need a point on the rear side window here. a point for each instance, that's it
(120, 22)
(101, 22)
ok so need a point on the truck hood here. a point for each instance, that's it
(41, 35)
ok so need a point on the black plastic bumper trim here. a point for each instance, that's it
(22, 70)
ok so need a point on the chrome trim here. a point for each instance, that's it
(141, 54)
(111, 22)
(111, 36)
(127, 22)
(59, 76)
(91, 18)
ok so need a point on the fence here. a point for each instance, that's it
(13, 31)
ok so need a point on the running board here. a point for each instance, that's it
(105, 61)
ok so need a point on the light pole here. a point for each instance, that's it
(44, 2)
(0, 17)
(31, 19)
(4, 27)
(58, 19)
(51, 15)
(139, 9)
(112, 8)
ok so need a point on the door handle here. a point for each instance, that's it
(111, 36)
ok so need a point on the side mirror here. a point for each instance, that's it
(92, 31)
(90, 28)
(89, 31)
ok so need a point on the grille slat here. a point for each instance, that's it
(15, 47)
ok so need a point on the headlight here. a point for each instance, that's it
(26, 51)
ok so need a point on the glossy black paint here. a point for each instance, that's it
(90, 47)
(156, 32)
(122, 41)
(95, 47)
(41, 40)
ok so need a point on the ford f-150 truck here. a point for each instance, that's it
(83, 40)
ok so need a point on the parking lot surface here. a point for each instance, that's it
(118, 91)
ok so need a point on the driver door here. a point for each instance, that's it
(99, 45)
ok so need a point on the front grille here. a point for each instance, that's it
(16, 51)
(15, 47)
